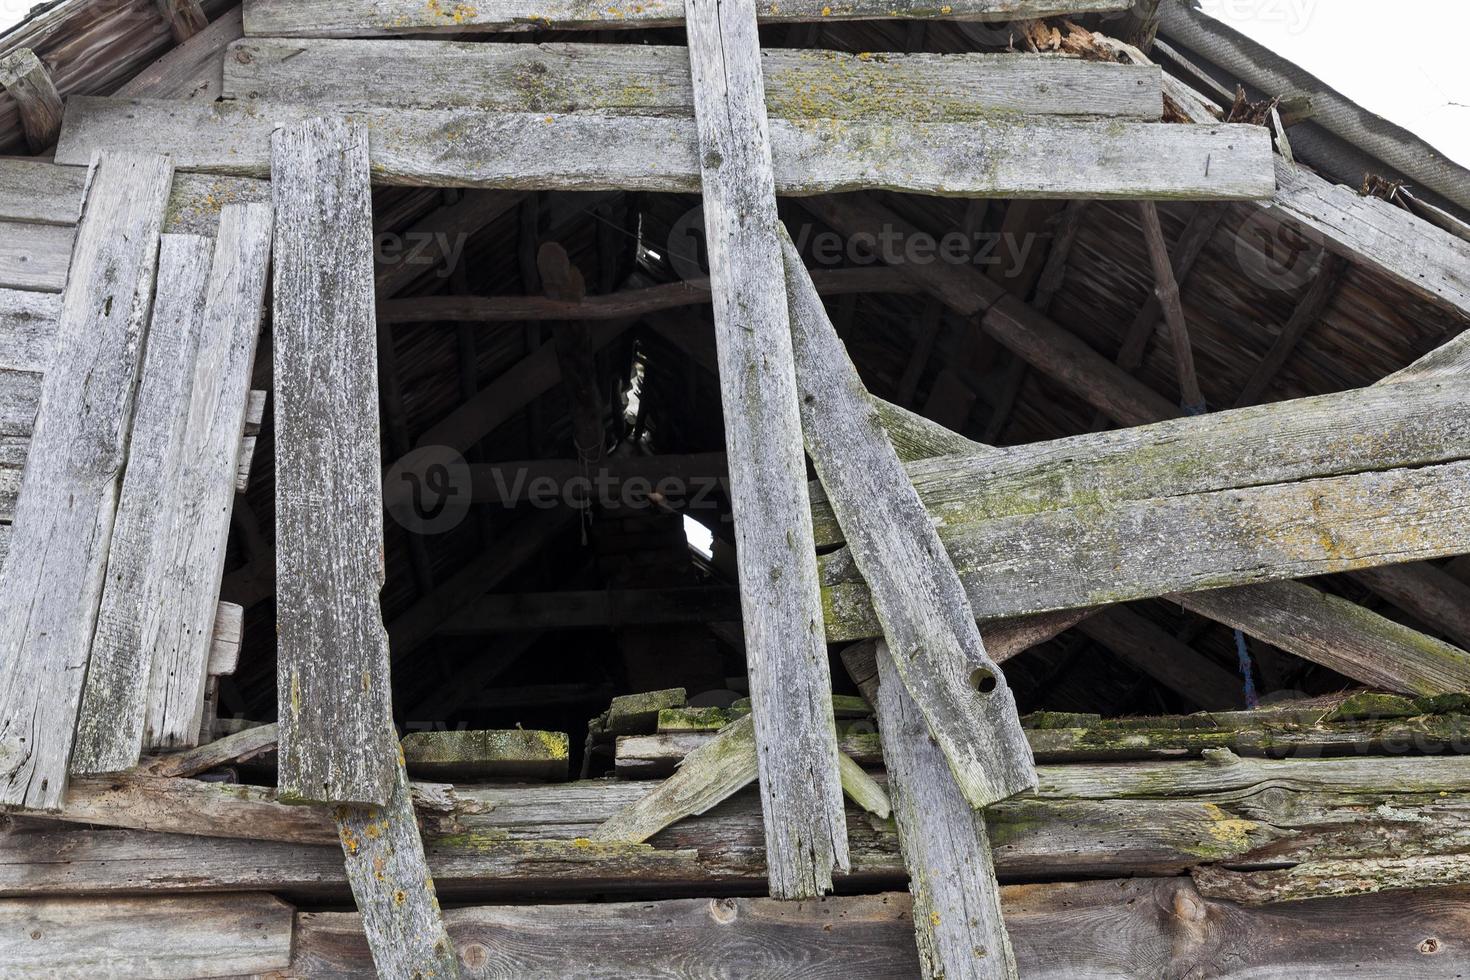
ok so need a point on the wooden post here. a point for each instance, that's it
(945, 843)
(333, 673)
(1166, 287)
(114, 711)
(916, 591)
(29, 83)
(790, 680)
(52, 580)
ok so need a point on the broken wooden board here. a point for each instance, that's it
(51, 583)
(472, 755)
(536, 151)
(1108, 553)
(369, 18)
(145, 937)
(114, 712)
(799, 84)
(786, 653)
(337, 740)
(916, 592)
(1156, 927)
(205, 486)
(1379, 428)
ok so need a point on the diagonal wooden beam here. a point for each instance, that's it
(1166, 288)
(1307, 313)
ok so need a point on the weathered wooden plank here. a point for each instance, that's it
(27, 330)
(916, 592)
(369, 18)
(51, 583)
(153, 938)
(1313, 880)
(34, 256)
(114, 712)
(192, 70)
(945, 843)
(537, 151)
(470, 755)
(1110, 553)
(593, 78)
(334, 667)
(1081, 931)
(28, 83)
(786, 653)
(1403, 425)
(242, 746)
(386, 868)
(220, 388)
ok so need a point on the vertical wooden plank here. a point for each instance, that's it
(786, 653)
(945, 843)
(51, 584)
(29, 83)
(332, 674)
(218, 400)
(918, 596)
(115, 698)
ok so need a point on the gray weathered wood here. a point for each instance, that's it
(1166, 288)
(110, 727)
(206, 483)
(945, 843)
(185, 17)
(1404, 425)
(594, 78)
(1342, 877)
(537, 151)
(1192, 242)
(1140, 549)
(242, 746)
(51, 583)
(916, 592)
(333, 677)
(153, 938)
(786, 653)
(471, 755)
(29, 84)
(367, 18)
(27, 332)
(392, 885)
(34, 256)
(192, 70)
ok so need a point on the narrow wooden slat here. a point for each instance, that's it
(593, 78)
(51, 584)
(1166, 288)
(537, 151)
(333, 676)
(786, 655)
(918, 596)
(34, 257)
(367, 18)
(110, 728)
(152, 938)
(211, 444)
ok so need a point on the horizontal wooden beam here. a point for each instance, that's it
(1084, 929)
(376, 18)
(800, 84)
(537, 151)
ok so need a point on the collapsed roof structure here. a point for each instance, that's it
(367, 363)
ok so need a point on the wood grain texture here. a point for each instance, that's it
(34, 256)
(1405, 425)
(52, 580)
(1140, 549)
(219, 394)
(27, 81)
(916, 592)
(389, 875)
(152, 938)
(333, 677)
(114, 712)
(786, 653)
(27, 333)
(367, 18)
(192, 70)
(593, 78)
(538, 151)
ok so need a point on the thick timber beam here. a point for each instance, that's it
(371, 18)
(786, 653)
(29, 84)
(955, 685)
(52, 581)
(538, 151)
(336, 723)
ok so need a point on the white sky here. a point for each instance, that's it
(1402, 63)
